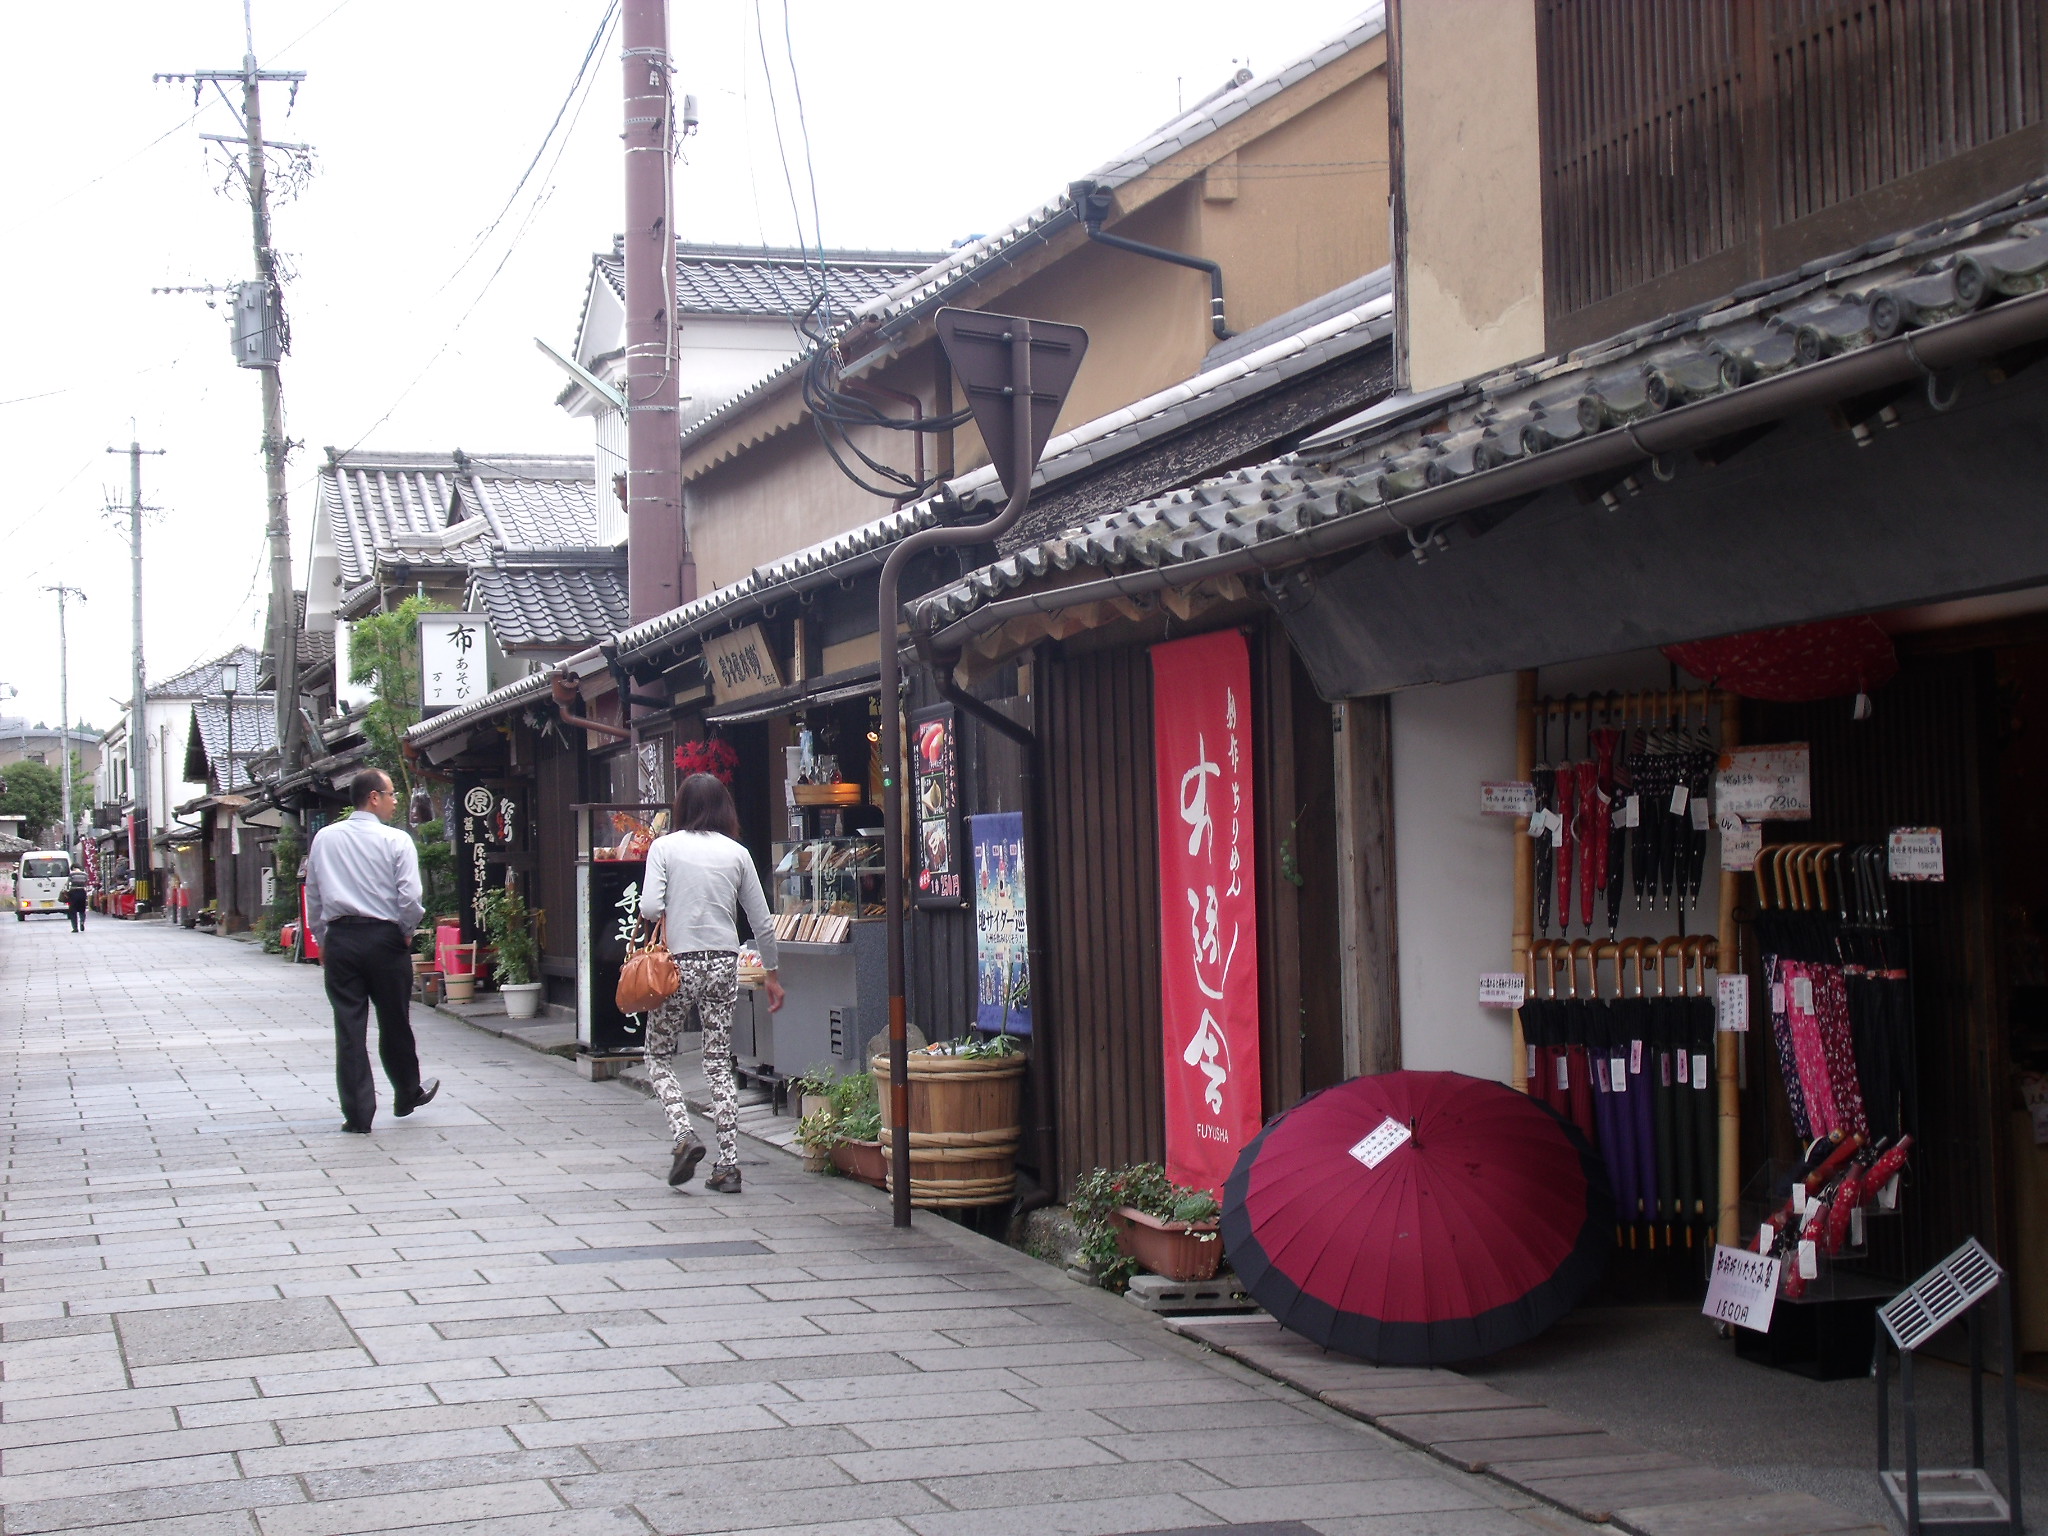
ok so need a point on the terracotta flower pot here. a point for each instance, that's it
(1179, 1250)
(863, 1160)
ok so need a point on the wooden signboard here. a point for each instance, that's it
(741, 664)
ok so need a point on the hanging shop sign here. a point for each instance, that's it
(1766, 783)
(1509, 799)
(1742, 1288)
(1914, 853)
(487, 825)
(1208, 917)
(454, 660)
(741, 664)
(1001, 926)
(935, 807)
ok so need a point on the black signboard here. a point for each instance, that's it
(936, 852)
(614, 893)
(488, 827)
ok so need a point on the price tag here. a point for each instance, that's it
(1540, 822)
(1766, 783)
(1765, 1236)
(1664, 1069)
(1699, 815)
(1617, 1073)
(1502, 989)
(1564, 1077)
(1914, 853)
(1742, 1287)
(1631, 812)
(1731, 1003)
(1809, 1259)
(1802, 993)
(1385, 1139)
(1508, 799)
(1888, 1197)
(1635, 1058)
(1741, 842)
(1777, 997)
(1856, 1227)
(1799, 1197)
(1684, 1067)
(1679, 796)
(1699, 1069)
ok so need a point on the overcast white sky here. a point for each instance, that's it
(423, 114)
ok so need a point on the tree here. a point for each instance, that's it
(34, 791)
(384, 652)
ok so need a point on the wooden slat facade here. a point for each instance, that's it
(1690, 146)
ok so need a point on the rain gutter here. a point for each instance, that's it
(1918, 354)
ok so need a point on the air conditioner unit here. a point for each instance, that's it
(258, 324)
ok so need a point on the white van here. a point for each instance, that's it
(39, 883)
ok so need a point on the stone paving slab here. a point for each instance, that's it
(494, 1317)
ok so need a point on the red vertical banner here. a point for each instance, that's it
(1208, 915)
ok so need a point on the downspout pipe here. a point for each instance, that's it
(1916, 355)
(1040, 1062)
(565, 693)
(1093, 202)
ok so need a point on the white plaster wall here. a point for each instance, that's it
(1454, 894)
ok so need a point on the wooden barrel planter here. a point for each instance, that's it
(965, 1124)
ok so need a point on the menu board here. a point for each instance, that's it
(936, 849)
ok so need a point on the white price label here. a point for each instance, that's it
(1502, 989)
(1856, 1227)
(1914, 853)
(1809, 1259)
(1699, 815)
(1741, 842)
(1802, 993)
(1766, 1235)
(1766, 783)
(1509, 799)
(1799, 1197)
(1635, 1058)
(1683, 1066)
(1888, 1197)
(1679, 796)
(1631, 811)
(1564, 1077)
(1777, 997)
(1699, 1069)
(1742, 1287)
(1731, 1002)
(1385, 1140)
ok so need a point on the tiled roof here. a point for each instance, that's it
(391, 508)
(1150, 156)
(770, 280)
(195, 682)
(555, 605)
(255, 736)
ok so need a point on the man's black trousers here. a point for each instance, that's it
(368, 962)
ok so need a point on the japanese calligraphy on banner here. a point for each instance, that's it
(1208, 913)
(454, 659)
(1002, 956)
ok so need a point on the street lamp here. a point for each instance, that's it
(230, 685)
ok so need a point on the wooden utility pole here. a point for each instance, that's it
(262, 337)
(138, 699)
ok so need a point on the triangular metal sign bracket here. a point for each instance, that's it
(977, 345)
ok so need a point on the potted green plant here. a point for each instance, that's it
(817, 1134)
(857, 1121)
(516, 958)
(815, 1091)
(1137, 1218)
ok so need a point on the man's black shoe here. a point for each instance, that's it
(426, 1094)
(356, 1130)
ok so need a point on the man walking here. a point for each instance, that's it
(362, 903)
(75, 898)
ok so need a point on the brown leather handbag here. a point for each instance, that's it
(649, 977)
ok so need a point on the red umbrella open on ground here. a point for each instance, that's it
(1415, 1218)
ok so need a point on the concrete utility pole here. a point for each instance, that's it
(264, 352)
(64, 708)
(138, 699)
(660, 573)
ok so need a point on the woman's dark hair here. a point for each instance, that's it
(705, 805)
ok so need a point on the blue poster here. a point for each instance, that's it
(1002, 957)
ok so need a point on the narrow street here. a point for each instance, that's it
(221, 1315)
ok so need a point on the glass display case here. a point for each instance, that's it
(825, 877)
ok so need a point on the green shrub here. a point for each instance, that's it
(1142, 1186)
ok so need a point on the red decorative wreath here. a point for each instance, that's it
(714, 757)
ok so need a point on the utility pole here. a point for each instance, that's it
(64, 707)
(138, 700)
(661, 574)
(262, 338)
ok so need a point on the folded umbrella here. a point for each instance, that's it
(1414, 1218)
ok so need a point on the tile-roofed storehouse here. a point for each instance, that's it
(225, 766)
(167, 725)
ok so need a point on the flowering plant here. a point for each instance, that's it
(714, 757)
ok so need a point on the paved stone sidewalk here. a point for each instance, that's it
(219, 1315)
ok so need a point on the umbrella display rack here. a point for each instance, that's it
(1619, 783)
(1824, 1321)
(1950, 1499)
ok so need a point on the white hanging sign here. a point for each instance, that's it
(1741, 842)
(1766, 783)
(454, 659)
(1502, 989)
(1742, 1288)
(1914, 853)
(1507, 799)
(1731, 999)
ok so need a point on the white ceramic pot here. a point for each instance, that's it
(522, 999)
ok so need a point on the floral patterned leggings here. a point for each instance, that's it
(709, 984)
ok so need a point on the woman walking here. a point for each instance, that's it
(697, 877)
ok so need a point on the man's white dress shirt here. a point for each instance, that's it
(362, 868)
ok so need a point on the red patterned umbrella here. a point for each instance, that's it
(1797, 664)
(1414, 1218)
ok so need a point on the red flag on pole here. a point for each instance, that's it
(1208, 914)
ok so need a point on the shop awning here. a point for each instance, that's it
(853, 683)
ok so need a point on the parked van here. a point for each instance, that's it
(39, 883)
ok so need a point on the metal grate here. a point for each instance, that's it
(1940, 1296)
(838, 1026)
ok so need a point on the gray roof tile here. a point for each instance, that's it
(551, 606)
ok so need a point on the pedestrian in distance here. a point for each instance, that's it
(74, 900)
(362, 905)
(698, 877)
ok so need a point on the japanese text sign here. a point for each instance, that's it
(1742, 1288)
(455, 662)
(1001, 924)
(741, 664)
(1208, 913)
